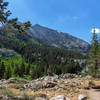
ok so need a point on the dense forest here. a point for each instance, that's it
(35, 58)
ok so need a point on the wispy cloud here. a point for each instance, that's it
(63, 19)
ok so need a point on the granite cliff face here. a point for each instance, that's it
(58, 39)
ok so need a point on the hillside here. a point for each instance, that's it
(58, 39)
(35, 58)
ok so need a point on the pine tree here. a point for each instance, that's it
(27, 71)
(8, 73)
(17, 70)
(94, 55)
(2, 70)
(4, 14)
(22, 69)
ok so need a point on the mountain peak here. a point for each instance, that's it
(58, 39)
(37, 25)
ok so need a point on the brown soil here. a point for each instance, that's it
(94, 94)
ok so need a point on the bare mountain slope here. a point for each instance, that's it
(58, 39)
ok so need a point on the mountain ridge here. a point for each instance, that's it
(58, 39)
(51, 37)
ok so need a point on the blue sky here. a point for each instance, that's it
(76, 17)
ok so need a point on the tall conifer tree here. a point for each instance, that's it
(94, 54)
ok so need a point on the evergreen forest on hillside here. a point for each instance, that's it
(34, 57)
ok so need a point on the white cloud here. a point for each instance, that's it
(97, 30)
(67, 18)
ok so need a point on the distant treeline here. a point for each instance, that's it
(36, 58)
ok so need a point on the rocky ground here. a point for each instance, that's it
(62, 87)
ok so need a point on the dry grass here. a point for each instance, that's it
(7, 92)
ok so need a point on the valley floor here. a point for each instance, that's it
(65, 85)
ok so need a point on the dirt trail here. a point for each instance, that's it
(94, 94)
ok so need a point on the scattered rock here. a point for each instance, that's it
(69, 83)
(68, 75)
(49, 84)
(35, 85)
(40, 97)
(3, 81)
(82, 97)
(91, 84)
(16, 80)
(3, 97)
(88, 77)
(17, 98)
(53, 78)
(59, 97)
(67, 99)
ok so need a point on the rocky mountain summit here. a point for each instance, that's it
(58, 87)
(58, 39)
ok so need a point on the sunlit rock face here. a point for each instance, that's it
(58, 39)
